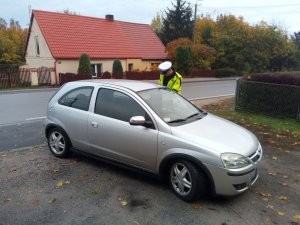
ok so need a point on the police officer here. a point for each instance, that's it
(169, 77)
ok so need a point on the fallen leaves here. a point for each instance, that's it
(274, 158)
(62, 183)
(52, 200)
(197, 206)
(282, 198)
(266, 196)
(123, 202)
(297, 217)
(56, 170)
(279, 213)
(7, 200)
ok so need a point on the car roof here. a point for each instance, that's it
(133, 85)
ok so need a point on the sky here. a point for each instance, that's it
(285, 13)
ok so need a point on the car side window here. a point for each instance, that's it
(78, 98)
(117, 105)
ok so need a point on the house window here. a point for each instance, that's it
(96, 69)
(37, 45)
(130, 67)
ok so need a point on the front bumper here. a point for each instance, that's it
(232, 183)
(236, 181)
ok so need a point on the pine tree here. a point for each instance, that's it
(177, 23)
(84, 65)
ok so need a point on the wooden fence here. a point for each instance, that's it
(14, 77)
(146, 75)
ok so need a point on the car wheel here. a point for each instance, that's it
(58, 143)
(186, 180)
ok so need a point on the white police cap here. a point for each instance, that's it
(165, 66)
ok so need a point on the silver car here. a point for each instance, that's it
(147, 127)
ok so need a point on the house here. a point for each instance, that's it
(56, 41)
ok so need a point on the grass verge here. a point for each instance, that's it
(283, 134)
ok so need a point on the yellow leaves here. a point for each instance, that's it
(284, 183)
(279, 213)
(123, 202)
(12, 170)
(274, 158)
(56, 170)
(282, 198)
(7, 200)
(266, 196)
(297, 217)
(270, 207)
(197, 206)
(61, 183)
(52, 200)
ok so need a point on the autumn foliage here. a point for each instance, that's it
(12, 42)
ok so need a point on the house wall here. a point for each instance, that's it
(45, 58)
(71, 66)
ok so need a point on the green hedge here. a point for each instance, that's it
(289, 78)
(271, 99)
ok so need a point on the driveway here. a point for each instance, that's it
(37, 188)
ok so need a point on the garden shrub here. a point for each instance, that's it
(84, 65)
(117, 66)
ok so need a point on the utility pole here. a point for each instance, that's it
(195, 20)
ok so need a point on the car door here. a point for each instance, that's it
(111, 135)
(72, 113)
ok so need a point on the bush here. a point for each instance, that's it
(117, 66)
(271, 99)
(84, 65)
(184, 59)
(288, 78)
(225, 72)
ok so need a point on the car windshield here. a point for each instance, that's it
(170, 106)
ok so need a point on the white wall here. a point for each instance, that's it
(45, 58)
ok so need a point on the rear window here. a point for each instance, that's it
(78, 98)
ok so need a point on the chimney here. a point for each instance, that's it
(109, 17)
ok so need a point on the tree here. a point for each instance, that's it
(84, 65)
(117, 66)
(184, 59)
(203, 55)
(177, 22)
(156, 24)
(12, 42)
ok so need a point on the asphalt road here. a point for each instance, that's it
(37, 188)
(22, 112)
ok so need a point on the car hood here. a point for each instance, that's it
(217, 134)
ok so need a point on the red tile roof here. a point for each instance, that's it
(68, 36)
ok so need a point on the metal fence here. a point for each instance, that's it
(267, 98)
(12, 76)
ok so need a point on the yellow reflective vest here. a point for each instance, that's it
(174, 83)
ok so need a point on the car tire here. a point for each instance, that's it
(58, 143)
(186, 180)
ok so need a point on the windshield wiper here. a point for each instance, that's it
(195, 114)
(177, 121)
(182, 120)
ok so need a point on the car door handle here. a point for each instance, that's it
(94, 124)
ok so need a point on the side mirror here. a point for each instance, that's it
(137, 120)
